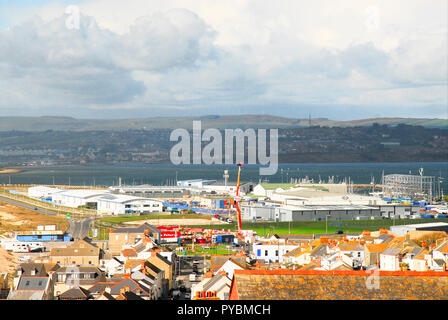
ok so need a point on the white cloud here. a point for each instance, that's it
(153, 57)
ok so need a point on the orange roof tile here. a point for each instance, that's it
(376, 247)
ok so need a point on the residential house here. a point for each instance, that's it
(217, 286)
(131, 235)
(390, 259)
(353, 250)
(439, 255)
(372, 253)
(272, 251)
(81, 252)
(163, 264)
(78, 293)
(75, 276)
(131, 285)
(4, 285)
(297, 257)
(229, 267)
(112, 266)
(33, 288)
(337, 285)
(161, 285)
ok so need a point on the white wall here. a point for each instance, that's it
(268, 251)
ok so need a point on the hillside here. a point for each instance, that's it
(212, 121)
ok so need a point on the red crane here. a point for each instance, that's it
(237, 198)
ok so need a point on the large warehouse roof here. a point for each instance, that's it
(121, 198)
(84, 194)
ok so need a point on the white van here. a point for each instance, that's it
(17, 247)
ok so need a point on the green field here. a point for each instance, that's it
(153, 217)
(315, 227)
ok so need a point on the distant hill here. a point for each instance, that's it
(211, 121)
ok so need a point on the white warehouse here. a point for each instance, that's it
(77, 198)
(124, 204)
(42, 192)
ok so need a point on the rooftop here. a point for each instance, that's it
(337, 285)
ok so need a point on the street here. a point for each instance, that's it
(27, 206)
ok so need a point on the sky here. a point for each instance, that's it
(342, 60)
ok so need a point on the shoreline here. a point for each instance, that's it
(10, 171)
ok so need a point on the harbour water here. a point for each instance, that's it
(166, 174)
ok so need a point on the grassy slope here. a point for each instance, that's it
(153, 217)
(314, 227)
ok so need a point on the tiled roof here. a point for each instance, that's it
(293, 252)
(26, 295)
(132, 263)
(337, 285)
(100, 287)
(351, 247)
(32, 283)
(391, 251)
(75, 294)
(319, 251)
(442, 247)
(28, 268)
(376, 247)
(129, 253)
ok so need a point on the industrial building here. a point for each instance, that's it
(331, 212)
(77, 198)
(308, 213)
(145, 191)
(124, 204)
(258, 212)
(42, 192)
(43, 234)
(435, 226)
(416, 187)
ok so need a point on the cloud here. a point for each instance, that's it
(290, 58)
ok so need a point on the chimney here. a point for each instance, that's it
(33, 272)
(107, 290)
(366, 233)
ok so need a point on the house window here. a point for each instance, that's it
(266, 253)
(276, 252)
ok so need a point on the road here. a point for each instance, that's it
(79, 227)
(27, 206)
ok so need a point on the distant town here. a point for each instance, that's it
(312, 144)
(206, 240)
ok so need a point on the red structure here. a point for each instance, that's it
(237, 198)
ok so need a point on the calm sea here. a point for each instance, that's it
(158, 174)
